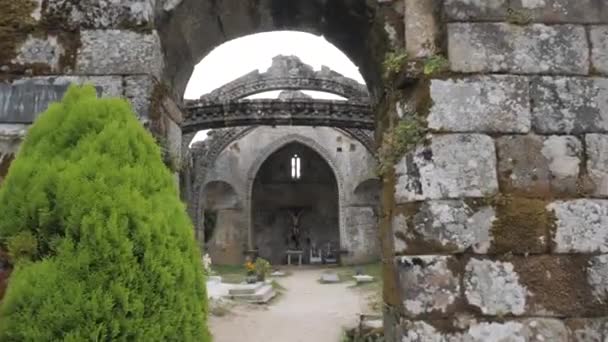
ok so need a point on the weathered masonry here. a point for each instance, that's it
(240, 175)
(494, 228)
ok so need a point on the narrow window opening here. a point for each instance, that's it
(296, 171)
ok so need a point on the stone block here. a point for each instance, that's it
(445, 227)
(421, 28)
(533, 49)
(22, 100)
(558, 285)
(522, 226)
(427, 285)
(566, 105)
(544, 329)
(494, 104)
(587, 329)
(536, 166)
(452, 166)
(494, 287)
(581, 226)
(597, 162)
(101, 14)
(11, 136)
(119, 52)
(597, 276)
(461, 10)
(543, 11)
(139, 91)
(599, 48)
(562, 11)
(527, 330)
(43, 52)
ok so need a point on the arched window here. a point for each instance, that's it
(295, 167)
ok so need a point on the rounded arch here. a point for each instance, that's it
(192, 28)
(368, 192)
(220, 195)
(271, 149)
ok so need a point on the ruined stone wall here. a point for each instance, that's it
(46, 45)
(350, 161)
(498, 222)
(495, 229)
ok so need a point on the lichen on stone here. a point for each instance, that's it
(494, 287)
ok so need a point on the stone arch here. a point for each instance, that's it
(272, 148)
(192, 28)
(367, 192)
(219, 195)
(290, 73)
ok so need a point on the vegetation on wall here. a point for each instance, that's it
(100, 245)
(402, 138)
(393, 63)
(518, 16)
(435, 65)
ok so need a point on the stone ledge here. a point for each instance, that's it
(533, 49)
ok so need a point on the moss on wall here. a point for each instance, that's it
(16, 22)
(522, 225)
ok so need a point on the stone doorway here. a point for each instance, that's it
(295, 205)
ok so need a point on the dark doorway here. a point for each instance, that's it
(295, 205)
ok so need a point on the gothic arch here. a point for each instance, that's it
(272, 148)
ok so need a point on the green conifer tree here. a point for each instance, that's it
(102, 247)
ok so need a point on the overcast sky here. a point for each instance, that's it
(243, 55)
(240, 56)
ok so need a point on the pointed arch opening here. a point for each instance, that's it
(295, 206)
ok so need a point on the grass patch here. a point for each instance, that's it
(346, 273)
(372, 290)
(231, 274)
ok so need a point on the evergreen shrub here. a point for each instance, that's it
(100, 245)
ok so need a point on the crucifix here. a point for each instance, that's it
(295, 232)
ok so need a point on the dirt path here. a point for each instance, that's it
(307, 311)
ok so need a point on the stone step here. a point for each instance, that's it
(245, 289)
(262, 296)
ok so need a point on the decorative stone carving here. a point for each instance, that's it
(288, 72)
(203, 115)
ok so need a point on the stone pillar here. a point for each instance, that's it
(500, 220)
(421, 27)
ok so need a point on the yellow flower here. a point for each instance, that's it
(250, 266)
